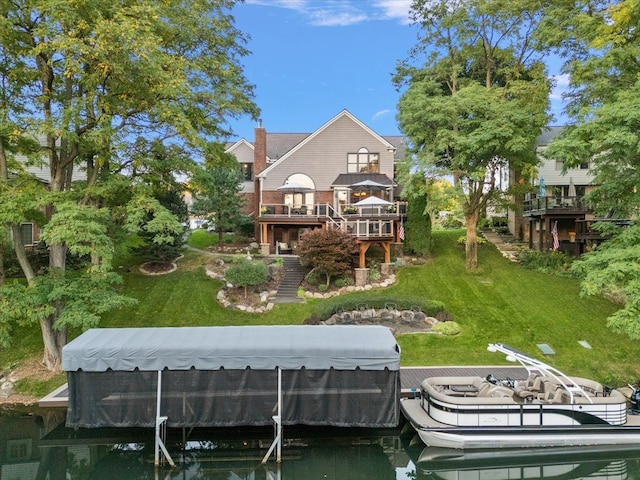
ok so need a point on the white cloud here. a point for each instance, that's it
(329, 13)
(562, 80)
(380, 114)
(394, 9)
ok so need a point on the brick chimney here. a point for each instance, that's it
(259, 164)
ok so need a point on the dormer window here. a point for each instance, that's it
(363, 162)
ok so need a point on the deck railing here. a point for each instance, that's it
(269, 210)
(542, 204)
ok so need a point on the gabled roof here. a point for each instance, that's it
(280, 144)
(344, 113)
(548, 135)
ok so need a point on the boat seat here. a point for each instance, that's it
(554, 396)
(534, 382)
(523, 392)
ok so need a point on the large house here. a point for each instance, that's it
(340, 176)
(556, 217)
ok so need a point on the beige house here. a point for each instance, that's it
(340, 177)
(556, 216)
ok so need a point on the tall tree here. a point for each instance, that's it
(479, 101)
(600, 42)
(89, 76)
(215, 188)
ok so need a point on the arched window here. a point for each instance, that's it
(305, 197)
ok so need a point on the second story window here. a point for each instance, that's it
(363, 162)
(247, 171)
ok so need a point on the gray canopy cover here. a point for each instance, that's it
(211, 348)
(226, 376)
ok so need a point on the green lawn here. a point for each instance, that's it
(502, 302)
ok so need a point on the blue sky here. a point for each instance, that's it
(311, 59)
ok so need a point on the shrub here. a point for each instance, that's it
(247, 274)
(479, 240)
(447, 328)
(553, 262)
(245, 227)
(327, 251)
(312, 278)
(343, 282)
(323, 288)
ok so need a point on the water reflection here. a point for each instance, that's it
(546, 463)
(34, 445)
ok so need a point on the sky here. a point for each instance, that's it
(311, 59)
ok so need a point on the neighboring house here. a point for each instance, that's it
(340, 177)
(29, 229)
(558, 207)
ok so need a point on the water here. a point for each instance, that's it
(34, 445)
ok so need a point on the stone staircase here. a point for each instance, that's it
(293, 275)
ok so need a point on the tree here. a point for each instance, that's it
(480, 100)
(215, 188)
(418, 224)
(601, 44)
(327, 251)
(247, 274)
(158, 166)
(86, 79)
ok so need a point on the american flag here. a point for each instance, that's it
(401, 232)
(554, 234)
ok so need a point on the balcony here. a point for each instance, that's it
(363, 222)
(540, 206)
(325, 210)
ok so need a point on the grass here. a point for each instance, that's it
(501, 302)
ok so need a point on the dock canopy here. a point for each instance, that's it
(236, 348)
(227, 376)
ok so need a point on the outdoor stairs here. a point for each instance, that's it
(293, 275)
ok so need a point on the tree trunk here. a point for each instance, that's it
(53, 341)
(471, 245)
(21, 254)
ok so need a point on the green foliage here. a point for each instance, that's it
(216, 188)
(613, 270)
(447, 328)
(344, 282)
(480, 101)
(327, 251)
(86, 296)
(90, 80)
(418, 225)
(553, 262)
(462, 240)
(247, 274)
(245, 226)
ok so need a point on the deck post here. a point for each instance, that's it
(159, 444)
(277, 419)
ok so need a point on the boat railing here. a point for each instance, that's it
(533, 365)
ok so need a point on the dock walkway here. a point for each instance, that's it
(410, 379)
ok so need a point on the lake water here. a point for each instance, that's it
(34, 445)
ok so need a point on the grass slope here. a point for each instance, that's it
(501, 302)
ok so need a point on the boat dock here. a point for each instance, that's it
(410, 379)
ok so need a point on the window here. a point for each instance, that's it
(584, 166)
(363, 162)
(26, 233)
(247, 172)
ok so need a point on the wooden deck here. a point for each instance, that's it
(410, 378)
